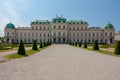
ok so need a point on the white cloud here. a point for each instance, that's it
(8, 12)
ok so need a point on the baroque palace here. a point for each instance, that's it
(59, 30)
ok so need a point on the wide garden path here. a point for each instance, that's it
(62, 62)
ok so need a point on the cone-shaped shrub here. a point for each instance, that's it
(21, 49)
(34, 45)
(79, 44)
(41, 46)
(75, 43)
(85, 44)
(117, 48)
(44, 44)
(95, 45)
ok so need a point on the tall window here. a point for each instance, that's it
(89, 34)
(59, 27)
(63, 34)
(40, 28)
(110, 33)
(59, 34)
(93, 35)
(44, 35)
(54, 27)
(44, 28)
(77, 34)
(63, 27)
(105, 34)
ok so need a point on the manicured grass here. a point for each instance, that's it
(6, 47)
(100, 51)
(28, 52)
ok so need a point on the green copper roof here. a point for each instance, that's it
(77, 22)
(59, 19)
(10, 25)
(40, 22)
(109, 25)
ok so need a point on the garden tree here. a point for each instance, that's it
(44, 44)
(34, 45)
(95, 45)
(80, 44)
(21, 49)
(75, 43)
(41, 46)
(117, 48)
(85, 44)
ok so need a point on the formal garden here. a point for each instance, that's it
(110, 49)
(22, 49)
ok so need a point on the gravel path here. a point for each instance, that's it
(62, 62)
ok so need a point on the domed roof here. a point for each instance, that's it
(109, 25)
(10, 25)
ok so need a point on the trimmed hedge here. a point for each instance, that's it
(117, 48)
(85, 44)
(21, 49)
(95, 45)
(34, 45)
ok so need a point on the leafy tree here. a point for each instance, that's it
(117, 48)
(21, 49)
(95, 45)
(34, 45)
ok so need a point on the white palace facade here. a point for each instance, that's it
(59, 30)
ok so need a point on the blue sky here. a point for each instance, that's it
(95, 12)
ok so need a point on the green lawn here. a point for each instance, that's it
(6, 47)
(28, 52)
(101, 51)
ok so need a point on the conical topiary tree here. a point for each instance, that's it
(41, 46)
(80, 44)
(85, 44)
(117, 48)
(34, 45)
(95, 45)
(21, 49)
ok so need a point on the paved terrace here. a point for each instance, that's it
(62, 62)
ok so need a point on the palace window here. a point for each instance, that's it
(110, 34)
(105, 34)
(54, 27)
(63, 27)
(40, 35)
(59, 34)
(77, 34)
(40, 28)
(93, 35)
(59, 27)
(44, 28)
(63, 34)
(89, 35)
(44, 35)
